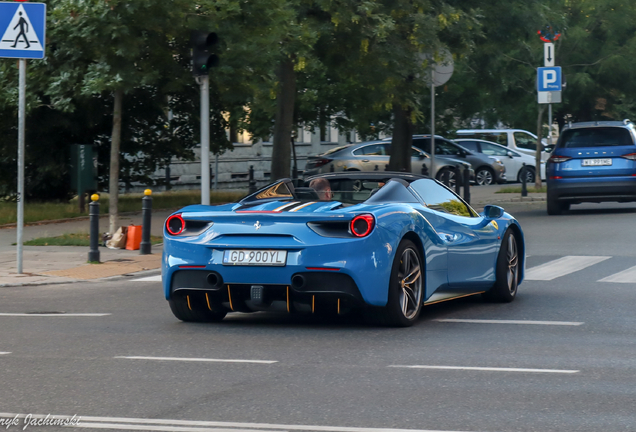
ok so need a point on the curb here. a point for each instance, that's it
(8, 285)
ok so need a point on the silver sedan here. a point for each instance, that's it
(374, 156)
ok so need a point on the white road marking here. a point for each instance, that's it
(55, 314)
(197, 359)
(231, 426)
(5, 352)
(484, 321)
(121, 426)
(562, 266)
(626, 276)
(489, 369)
(156, 278)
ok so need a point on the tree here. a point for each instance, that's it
(113, 47)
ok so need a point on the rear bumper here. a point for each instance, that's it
(307, 292)
(619, 189)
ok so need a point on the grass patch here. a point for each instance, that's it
(42, 211)
(517, 189)
(80, 239)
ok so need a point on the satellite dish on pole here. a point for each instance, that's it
(442, 69)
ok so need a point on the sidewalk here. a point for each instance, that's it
(44, 265)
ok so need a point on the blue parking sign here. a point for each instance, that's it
(22, 30)
(549, 79)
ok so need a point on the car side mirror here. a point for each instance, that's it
(422, 156)
(493, 212)
(510, 154)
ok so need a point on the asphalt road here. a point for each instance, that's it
(564, 359)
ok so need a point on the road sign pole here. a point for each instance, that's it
(21, 149)
(550, 124)
(432, 123)
(205, 139)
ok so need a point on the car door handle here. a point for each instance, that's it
(365, 160)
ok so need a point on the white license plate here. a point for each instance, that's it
(254, 257)
(596, 162)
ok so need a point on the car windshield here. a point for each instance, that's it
(351, 191)
(595, 137)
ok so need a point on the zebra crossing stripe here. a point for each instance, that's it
(562, 266)
(156, 278)
(626, 276)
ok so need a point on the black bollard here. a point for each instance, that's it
(524, 179)
(145, 247)
(376, 168)
(424, 170)
(386, 167)
(252, 182)
(466, 184)
(93, 211)
(446, 177)
(458, 179)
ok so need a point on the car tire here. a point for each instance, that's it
(555, 207)
(194, 308)
(406, 289)
(451, 176)
(529, 175)
(507, 271)
(484, 176)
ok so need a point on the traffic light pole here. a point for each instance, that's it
(204, 81)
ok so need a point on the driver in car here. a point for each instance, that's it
(323, 188)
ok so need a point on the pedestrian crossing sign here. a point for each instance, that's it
(23, 30)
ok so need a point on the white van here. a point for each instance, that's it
(515, 139)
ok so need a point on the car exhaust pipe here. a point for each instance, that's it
(215, 280)
(298, 281)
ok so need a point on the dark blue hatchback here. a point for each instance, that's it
(592, 162)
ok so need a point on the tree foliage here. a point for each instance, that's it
(360, 64)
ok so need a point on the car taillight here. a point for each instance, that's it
(320, 162)
(175, 224)
(559, 159)
(630, 156)
(362, 225)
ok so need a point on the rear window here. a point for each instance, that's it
(595, 137)
(333, 150)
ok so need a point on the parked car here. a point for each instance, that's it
(487, 170)
(592, 162)
(385, 243)
(514, 161)
(515, 139)
(374, 156)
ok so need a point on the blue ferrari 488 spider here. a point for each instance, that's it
(386, 242)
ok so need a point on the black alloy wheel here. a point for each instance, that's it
(507, 270)
(406, 289)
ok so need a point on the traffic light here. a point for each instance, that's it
(203, 44)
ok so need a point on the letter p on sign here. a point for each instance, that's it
(549, 79)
